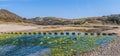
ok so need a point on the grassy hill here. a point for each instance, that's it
(7, 16)
(103, 20)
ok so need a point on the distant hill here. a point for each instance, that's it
(51, 21)
(7, 16)
(110, 19)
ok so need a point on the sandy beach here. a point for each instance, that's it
(15, 27)
(41, 28)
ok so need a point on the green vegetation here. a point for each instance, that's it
(112, 19)
(59, 46)
(72, 46)
(5, 38)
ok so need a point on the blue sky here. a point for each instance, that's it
(61, 8)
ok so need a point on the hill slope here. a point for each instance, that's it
(51, 21)
(111, 19)
(7, 16)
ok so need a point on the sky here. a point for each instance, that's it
(61, 8)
